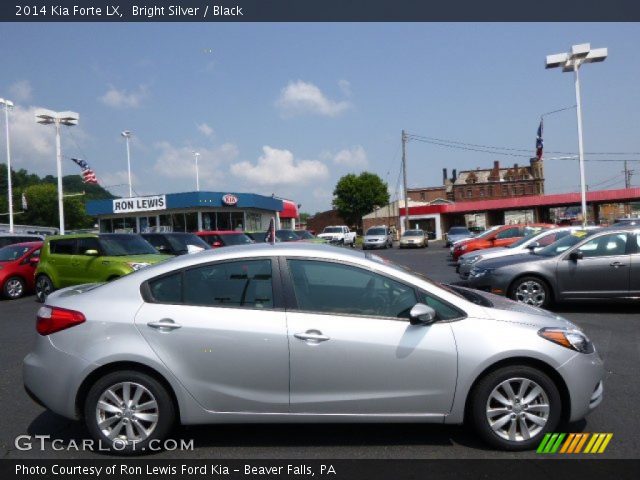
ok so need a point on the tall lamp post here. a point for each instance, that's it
(571, 62)
(127, 136)
(48, 117)
(196, 155)
(8, 105)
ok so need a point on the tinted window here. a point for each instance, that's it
(509, 233)
(12, 252)
(89, 243)
(235, 239)
(564, 243)
(125, 244)
(605, 245)
(444, 311)
(335, 288)
(377, 231)
(63, 247)
(459, 231)
(245, 284)
(287, 236)
(167, 289)
(159, 242)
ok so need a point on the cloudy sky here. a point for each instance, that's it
(289, 108)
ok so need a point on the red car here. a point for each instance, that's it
(500, 237)
(224, 238)
(17, 265)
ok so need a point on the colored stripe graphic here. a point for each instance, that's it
(574, 443)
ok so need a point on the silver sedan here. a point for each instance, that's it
(303, 333)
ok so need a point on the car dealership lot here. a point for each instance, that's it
(613, 328)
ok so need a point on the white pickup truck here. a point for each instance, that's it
(339, 234)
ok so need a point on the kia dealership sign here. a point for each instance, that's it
(140, 204)
(229, 199)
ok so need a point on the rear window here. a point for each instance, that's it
(459, 231)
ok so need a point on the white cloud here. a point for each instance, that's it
(278, 167)
(122, 99)
(21, 91)
(345, 87)
(351, 157)
(179, 163)
(301, 97)
(117, 182)
(205, 129)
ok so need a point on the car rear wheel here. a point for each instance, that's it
(514, 407)
(44, 286)
(14, 288)
(532, 291)
(127, 410)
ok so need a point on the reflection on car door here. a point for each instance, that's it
(353, 350)
(603, 272)
(61, 255)
(217, 329)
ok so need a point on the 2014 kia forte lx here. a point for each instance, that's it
(304, 333)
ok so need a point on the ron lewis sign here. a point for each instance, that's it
(140, 204)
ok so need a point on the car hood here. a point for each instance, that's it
(486, 251)
(150, 258)
(503, 309)
(508, 260)
(322, 235)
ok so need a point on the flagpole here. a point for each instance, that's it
(7, 104)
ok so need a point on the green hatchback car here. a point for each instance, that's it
(90, 258)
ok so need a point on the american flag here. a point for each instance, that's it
(539, 143)
(88, 175)
(271, 232)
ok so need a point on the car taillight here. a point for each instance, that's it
(53, 319)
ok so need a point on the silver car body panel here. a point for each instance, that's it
(232, 365)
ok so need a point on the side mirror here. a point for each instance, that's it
(93, 253)
(533, 245)
(216, 244)
(34, 261)
(161, 248)
(422, 314)
(576, 255)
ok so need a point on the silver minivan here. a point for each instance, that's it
(377, 237)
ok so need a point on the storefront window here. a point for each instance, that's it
(224, 221)
(209, 221)
(191, 221)
(237, 220)
(105, 225)
(124, 225)
(165, 223)
(254, 222)
(177, 220)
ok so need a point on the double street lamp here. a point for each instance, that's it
(48, 117)
(127, 136)
(197, 155)
(571, 62)
(8, 105)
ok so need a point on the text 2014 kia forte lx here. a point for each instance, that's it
(304, 333)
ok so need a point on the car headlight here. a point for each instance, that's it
(137, 265)
(473, 259)
(569, 338)
(462, 247)
(479, 272)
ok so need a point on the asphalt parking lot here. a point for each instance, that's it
(615, 329)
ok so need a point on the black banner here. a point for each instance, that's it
(317, 10)
(114, 468)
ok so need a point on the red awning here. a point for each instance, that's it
(289, 209)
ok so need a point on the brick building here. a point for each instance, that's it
(497, 182)
(320, 220)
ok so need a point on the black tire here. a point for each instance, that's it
(479, 403)
(44, 286)
(166, 415)
(14, 288)
(533, 284)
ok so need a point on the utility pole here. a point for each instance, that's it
(627, 184)
(404, 181)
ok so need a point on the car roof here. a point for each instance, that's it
(219, 232)
(72, 236)
(26, 244)
(7, 234)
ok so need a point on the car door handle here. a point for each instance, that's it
(311, 335)
(617, 264)
(166, 324)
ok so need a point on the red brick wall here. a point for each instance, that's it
(497, 190)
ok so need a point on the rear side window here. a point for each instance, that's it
(167, 289)
(62, 247)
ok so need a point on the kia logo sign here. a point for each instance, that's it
(229, 199)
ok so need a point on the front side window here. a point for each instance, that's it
(88, 243)
(326, 287)
(12, 252)
(245, 283)
(605, 245)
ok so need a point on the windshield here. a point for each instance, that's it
(236, 239)
(459, 231)
(376, 231)
(12, 252)
(287, 236)
(118, 245)
(181, 242)
(522, 241)
(332, 230)
(564, 243)
(413, 233)
(305, 234)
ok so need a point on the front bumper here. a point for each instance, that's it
(491, 282)
(584, 377)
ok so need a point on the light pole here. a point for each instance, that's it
(127, 135)
(7, 106)
(196, 155)
(48, 117)
(571, 62)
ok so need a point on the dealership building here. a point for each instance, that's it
(192, 212)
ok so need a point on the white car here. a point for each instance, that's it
(339, 234)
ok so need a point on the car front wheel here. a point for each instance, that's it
(512, 408)
(127, 410)
(44, 286)
(14, 288)
(532, 291)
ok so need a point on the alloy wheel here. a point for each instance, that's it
(14, 288)
(517, 409)
(127, 412)
(531, 292)
(43, 288)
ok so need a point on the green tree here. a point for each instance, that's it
(42, 208)
(356, 195)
